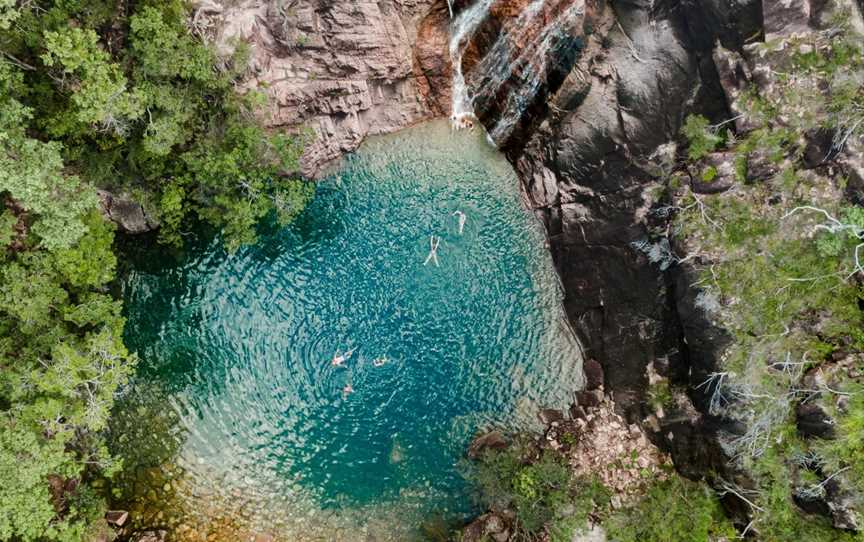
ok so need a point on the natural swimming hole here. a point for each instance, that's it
(238, 423)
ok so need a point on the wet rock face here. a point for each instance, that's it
(625, 94)
(336, 72)
(519, 55)
(585, 163)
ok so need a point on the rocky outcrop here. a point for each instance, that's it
(584, 145)
(491, 441)
(488, 527)
(599, 443)
(588, 148)
(129, 215)
(335, 72)
(625, 94)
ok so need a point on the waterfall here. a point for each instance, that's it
(526, 73)
(466, 23)
(516, 70)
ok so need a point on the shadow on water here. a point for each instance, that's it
(238, 423)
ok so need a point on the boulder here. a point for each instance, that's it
(843, 504)
(589, 398)
(577, 412)
(493, 440)
(735, 78)
(548, 416)
(715, 173)
(156, 535)
(488, 526)
(814, 422)
(593, 374)
(818, 147)
(784, 17)
(760, 167)
(117, 517)
(129, 215)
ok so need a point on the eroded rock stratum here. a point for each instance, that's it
(337, 72)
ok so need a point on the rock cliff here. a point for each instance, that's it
(587, 125)
(335, 72)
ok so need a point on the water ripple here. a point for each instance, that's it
(252, 420)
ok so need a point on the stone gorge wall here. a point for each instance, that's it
(337, 71)
(585, 148)
(589, 143)
(602, 107)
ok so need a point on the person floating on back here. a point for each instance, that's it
(339, 359)
(433, 252)
(462, 219)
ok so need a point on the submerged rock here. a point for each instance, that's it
(493, 440)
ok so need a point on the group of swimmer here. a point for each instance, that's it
(340, 359)
(435, 241)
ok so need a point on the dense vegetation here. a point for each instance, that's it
(549, 503)
(779, 260)
(763, 211)
(102, 95)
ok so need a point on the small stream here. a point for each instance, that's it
(239, 425)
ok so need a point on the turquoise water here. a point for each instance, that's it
(254, 420)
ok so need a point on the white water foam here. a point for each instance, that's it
(462, 114)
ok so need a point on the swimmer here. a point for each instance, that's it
(462, 121)
(339, 360)
(462, 219)
(433, 252)
(378, 362)
(346, 390)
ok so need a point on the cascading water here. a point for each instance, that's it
(524, 74)
(464, 26)
(518, 69)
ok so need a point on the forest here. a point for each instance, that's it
(101, 95)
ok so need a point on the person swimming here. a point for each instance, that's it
(433, 252)
(346, 390)
(462, 219)
(339, 359)
(378, 362)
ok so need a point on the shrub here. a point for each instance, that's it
(674, 509)
(543, 492)
(702, 139)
